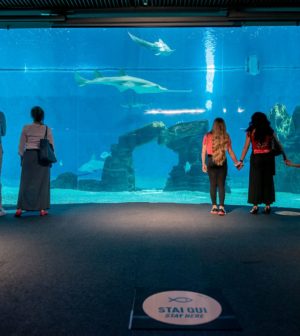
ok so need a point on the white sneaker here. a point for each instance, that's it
(2, 212)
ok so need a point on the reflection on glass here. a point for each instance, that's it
(209, 44)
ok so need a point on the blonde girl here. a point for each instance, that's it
(215, 145)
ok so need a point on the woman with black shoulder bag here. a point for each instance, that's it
(34, 192)
(265, 146)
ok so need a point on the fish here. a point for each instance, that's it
(92, 166)
(105, 155)
(252, 65)
(133, 106)
(187, 167)
(124, 82)
(180, 299)
(160, 48)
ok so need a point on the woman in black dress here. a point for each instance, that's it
(262, 162)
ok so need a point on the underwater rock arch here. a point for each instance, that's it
(118, 172)
(183, 138)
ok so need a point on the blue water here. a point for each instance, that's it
(37, 67)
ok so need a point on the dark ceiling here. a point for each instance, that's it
(93, 13)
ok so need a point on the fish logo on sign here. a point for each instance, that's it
(180, 299)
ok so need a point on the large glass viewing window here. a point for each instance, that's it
(129, 107)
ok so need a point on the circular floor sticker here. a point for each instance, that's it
(288, 213)
(182, 308)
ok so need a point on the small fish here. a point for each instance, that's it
(104, 155)
(208, 104)
(187, 167)
(181, 299)
(134, 106)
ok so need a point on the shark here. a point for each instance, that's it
(94, 164)
(160, 47)
(123, 82)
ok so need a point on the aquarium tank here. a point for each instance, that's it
(129, 107)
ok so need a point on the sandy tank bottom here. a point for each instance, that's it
(238, 196)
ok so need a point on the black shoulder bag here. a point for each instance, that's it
(275, 147)
(46, 152)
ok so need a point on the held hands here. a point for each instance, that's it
(288, 163)
(239, 165)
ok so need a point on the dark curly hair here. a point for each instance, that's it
(37, 113)
(260, 123)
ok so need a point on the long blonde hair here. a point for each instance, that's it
(220, 141)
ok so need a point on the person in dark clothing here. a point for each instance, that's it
(262, 162)
(2, 133)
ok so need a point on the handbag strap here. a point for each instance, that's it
(46, 133)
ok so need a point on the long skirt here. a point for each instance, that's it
(34, 193)
(261, 183)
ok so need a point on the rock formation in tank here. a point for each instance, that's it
(281, 122)
(118, 171)
(287, 129)
(65, 181)
(185, 139)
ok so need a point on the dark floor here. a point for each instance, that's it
(74, 272)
